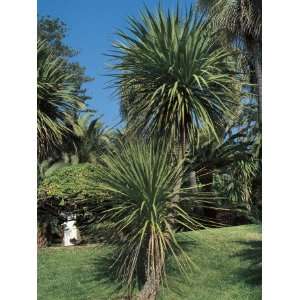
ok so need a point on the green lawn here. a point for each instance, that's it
(228, 264)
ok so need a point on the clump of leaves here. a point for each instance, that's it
(70, 182)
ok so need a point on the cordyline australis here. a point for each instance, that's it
(140, 181)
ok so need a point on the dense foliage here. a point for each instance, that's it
(68, 189)
(68, 182)
(56, 100)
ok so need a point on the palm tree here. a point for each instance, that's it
(173, 77)
(208, 157)
(211, 155)
(47, 167)
(236, 182)
(56, 100)
(139, 180)
(90, 138)
(241, 22)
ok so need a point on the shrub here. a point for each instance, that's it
(70, 189)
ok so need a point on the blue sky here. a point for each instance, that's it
(92, 25)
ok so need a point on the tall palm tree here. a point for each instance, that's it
(56, 100)
(241, 22)
(173, 77)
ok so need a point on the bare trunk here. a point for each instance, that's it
(181, 153)
(198, 210)
(207, 181)
(193, 181)
(149, 290)
(254, 48)
(258, 73)
(151, 286)
(41, 237)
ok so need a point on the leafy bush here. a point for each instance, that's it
(72, 189)
(71, 183)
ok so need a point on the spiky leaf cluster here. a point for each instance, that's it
(140, 180)
(173, 77)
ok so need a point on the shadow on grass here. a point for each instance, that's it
(105, 274)
(252, 254)
(248, 270)
(175, 278)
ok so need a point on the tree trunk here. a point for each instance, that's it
(255, 50)
(153, 279)
(258, 73)
(41, 237)
(150, 289)
(193, 181)
(198, 210)
(255, 60)
(207, 181)
(181, 153)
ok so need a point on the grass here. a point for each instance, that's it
(228, 266)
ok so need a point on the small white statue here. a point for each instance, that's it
(71, 232)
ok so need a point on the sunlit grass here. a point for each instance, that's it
(228, 264)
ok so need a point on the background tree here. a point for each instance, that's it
(54, 31)
(235, 183)
(240, 24)
(57, 100)
(66, 189)
(90, 139)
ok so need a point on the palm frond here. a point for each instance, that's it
(239, 17)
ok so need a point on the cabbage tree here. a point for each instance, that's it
(173, 77)
(139, 180)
